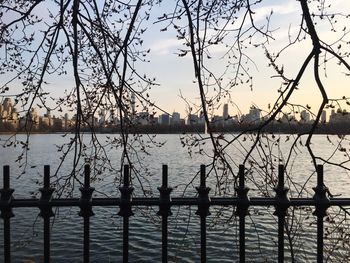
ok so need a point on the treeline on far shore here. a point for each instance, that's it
(273, 127)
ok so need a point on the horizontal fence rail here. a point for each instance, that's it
(164, 202)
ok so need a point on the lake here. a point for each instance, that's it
(145, 227)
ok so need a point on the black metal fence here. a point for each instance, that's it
(203, 201)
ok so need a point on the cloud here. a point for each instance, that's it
(261, 13)
(165, 46)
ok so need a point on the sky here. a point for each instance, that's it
(175, 74)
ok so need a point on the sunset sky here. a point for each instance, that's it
(175, 74)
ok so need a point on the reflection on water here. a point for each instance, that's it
(145, 227)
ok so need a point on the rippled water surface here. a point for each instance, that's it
(145, 227)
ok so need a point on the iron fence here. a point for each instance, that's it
(165, 202)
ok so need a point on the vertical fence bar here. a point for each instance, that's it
(164, 211)
(242, 211)
(203, 211)
(86, 211)
(282, 204)
(46, 219)
(46, 211)
(321, 203)
(125, 239)
(125, 211)
(319, 239)
(6, 212)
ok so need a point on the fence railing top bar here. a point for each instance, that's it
(175, 201)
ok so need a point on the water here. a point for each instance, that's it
(145, 227)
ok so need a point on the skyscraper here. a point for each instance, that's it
(304, 116)
(132, 102)
(164, 119)
(323, 116)
(225, 111)
(175, 118)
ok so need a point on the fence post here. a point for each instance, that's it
(86, 211)
(46, 211)
(164, 211)
(242, 211)
(321, 204)
(6, 212)
(203, 211)
(282, 204)
(125, 211)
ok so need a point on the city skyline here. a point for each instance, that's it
(10, 116)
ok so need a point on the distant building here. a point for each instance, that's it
(113, 119)
(201, 119)
(48, 113)
(323, 116)
(253, 116)
(34, 116)
(102, 119)
(91, 121)
(288, 118)
(66, 121)
(304, 116)
(217, 120)
(133, 102)
(192, 119)
(8, 113)
(225, 112)
(44, 121)
(339, 116)
(164, 119)
(7, 107)
(143, 118)
(57, 123)
(154, 120)
(175, 118)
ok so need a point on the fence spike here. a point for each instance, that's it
(164, 211)
(242, 211)
(126, 211)
(322, 203)
(203, 211)
(86, 211)
(46, 210)
(282, 205)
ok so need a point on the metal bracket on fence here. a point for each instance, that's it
(125, 198)
(86, 195)
(46, 195)
(322, 202)
(203, 195)
(282, 200)
(164, 197)
(6, 195)
(242, 193)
